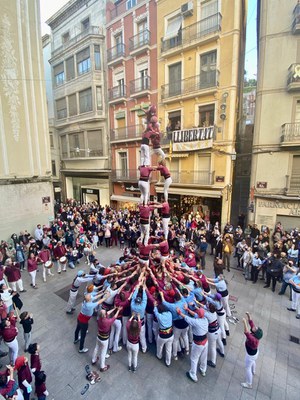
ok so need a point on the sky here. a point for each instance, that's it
(49, 7)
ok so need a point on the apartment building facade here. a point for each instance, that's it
(200, 75)
(25, 168)
(275, 175)
(79, 94)
(132, 86)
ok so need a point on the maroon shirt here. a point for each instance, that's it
(145, 172)
(44, 255)
(145, 212)
(145, 250)
(35, 362)
(104, 326)
(32, 265)
(164, 248)
(9, 333)
(40, 389)
(133, 339)
(13, 272)
(165, 210)
(164, 171)
(251, 342)
(59, 251)
(24, 374)
(155, 140)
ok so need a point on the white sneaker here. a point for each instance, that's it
(107, 355)
(85, 350)
(246, 385)
(118, 349)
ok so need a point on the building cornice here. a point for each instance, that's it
(66, 12)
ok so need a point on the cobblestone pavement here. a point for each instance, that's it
(278, 366)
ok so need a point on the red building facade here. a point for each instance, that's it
(132, 86)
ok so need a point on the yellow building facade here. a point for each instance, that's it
(200, 71)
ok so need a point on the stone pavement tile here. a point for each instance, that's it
(293, 378)
(278, 392)
(292, 393)
(234, 390)
(280, 376)
(293, 361)
(268, 363)
(247, 394)
(262, 396)
(265, 383)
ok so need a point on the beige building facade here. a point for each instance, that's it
(25, 164)
(275, 177)
(79, 96)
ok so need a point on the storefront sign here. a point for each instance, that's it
(294, 208)
(261, 185)
(131, 188)
(220, 178)
(193, 139)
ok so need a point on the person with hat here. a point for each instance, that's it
(199, 325)
(253, 335)
(80, 278)
(24, 376)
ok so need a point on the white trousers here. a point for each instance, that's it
(101, 346)
(167, 184)
(33, 276)
(143, 338)
(223, 325)
(214, 340)
(72, 300)
(149, 319)
(145, 190)
(165, 224)
(198, 353)
(155, 329)
(180, 333)
(132, 352)
(114, 336)
(18, 283)
(13, 350)
(124, 330)
(46, 271)
(167, 343)
(250, 365)
(145, 232)
(296, 301)
(225, 303)
(61, 266)
(145, 154)
(159, 152)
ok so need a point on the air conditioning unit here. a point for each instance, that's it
(187, 9)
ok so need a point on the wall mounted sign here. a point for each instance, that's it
(220, 178)
(261, 185)
(193, 139)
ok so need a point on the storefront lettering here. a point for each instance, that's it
(293, 207)
(191, 135)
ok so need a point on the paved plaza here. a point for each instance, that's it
(278, 367)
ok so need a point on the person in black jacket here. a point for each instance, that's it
(274, 271)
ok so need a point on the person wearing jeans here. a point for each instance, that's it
(253, 335)
(289, 271)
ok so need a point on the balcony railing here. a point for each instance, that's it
(193, 84)
(139, 40)
(193, 32)
(116, 52)
(201, 177)
(121, 8)
(130, 175)
(92, 30)
(293, 81)
(140, 84)
(117, 92)
(290, 132)
(128, 132)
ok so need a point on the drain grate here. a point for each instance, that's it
(294, 339)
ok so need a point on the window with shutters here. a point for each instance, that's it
(99, 102)
(70, 68)
(122, 171)
(97, 58)
(53, 167)
(83, 61)
(175, 79)
(85, 24)
(61, 108)
(85, 101)
(72, 105)
(95, 143)
(295, 175)
(59, 74)
(208, 69)
(206, 115)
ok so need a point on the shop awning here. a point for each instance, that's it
(216, 194)
(174, 25)
(125, 199)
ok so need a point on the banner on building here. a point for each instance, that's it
(193, 139)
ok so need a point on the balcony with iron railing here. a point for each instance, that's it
(122, 8)
(131, 175)
(200, 177)
(117, 94)
(92, 30)
(116, 54)
(293, 81)
(126, 133)
(140, 42)
(203, 30)
(296, 19)
(140, 87)
(186, 88)
(290, 134)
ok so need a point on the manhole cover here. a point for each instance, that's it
(64, 294)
